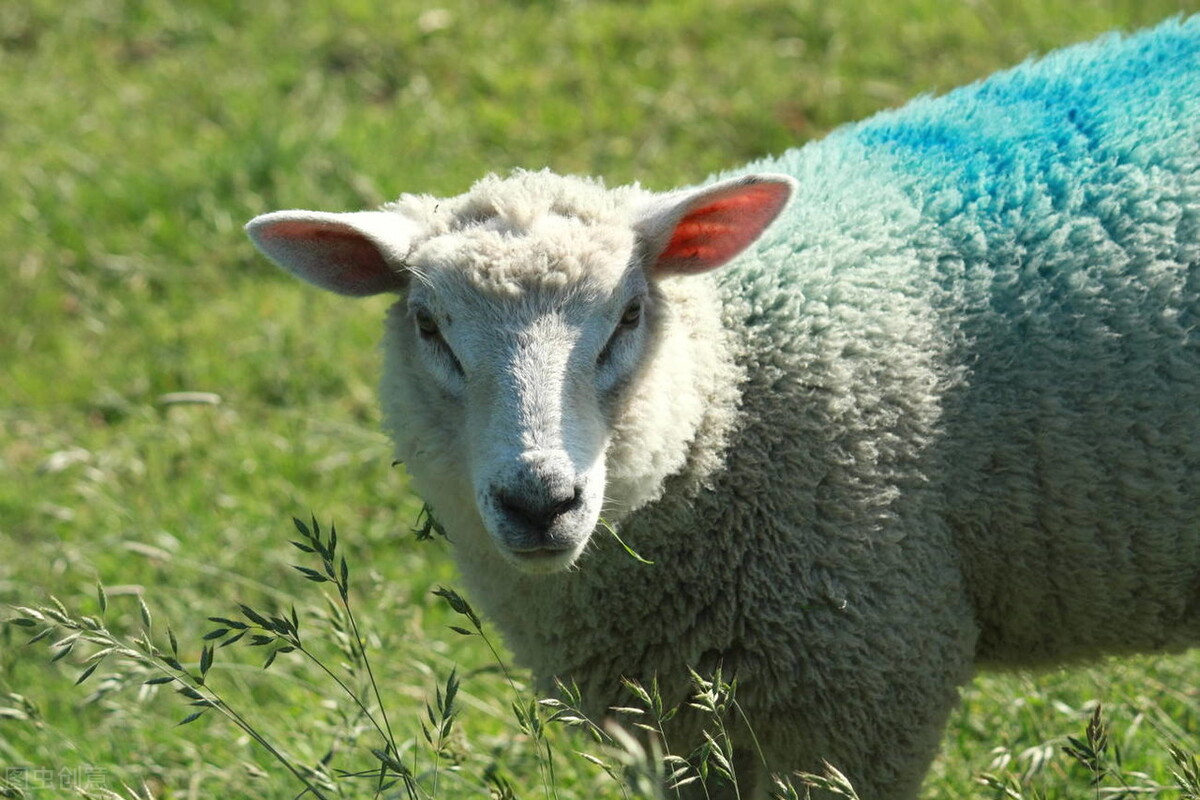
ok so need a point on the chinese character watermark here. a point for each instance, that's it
(40, 777)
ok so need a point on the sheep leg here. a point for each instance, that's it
(880, 676)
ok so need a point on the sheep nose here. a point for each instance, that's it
(537, 513)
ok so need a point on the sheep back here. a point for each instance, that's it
(994, 294)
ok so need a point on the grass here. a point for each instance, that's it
(136, 137)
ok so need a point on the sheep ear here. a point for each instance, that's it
(358, 254)
(701, 229)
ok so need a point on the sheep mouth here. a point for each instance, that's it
(542, 560)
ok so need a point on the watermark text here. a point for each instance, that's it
(39, 777)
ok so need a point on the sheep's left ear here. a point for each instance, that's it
(700, 229)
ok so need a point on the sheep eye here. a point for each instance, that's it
(630, 319)
(428, 329)
(632, 315)
(426, 324)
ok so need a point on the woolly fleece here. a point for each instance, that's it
(967, 426)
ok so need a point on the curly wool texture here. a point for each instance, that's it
(967, 432)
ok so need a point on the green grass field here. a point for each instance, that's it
(135, 139)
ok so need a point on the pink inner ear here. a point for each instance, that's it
(337, 258)
(712, 234)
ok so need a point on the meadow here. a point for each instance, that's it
(169, 401)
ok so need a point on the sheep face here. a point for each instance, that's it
(511, 351)
(529, 310)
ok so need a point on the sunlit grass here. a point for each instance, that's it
(136, 137)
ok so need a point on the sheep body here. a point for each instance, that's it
(943, 413)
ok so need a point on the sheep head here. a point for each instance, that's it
(528, 310)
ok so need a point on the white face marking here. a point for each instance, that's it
(530, 373)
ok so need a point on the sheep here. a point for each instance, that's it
(919, 398)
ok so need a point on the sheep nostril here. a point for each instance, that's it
(569, 504)
(539, 513)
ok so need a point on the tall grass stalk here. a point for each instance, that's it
(638, 765)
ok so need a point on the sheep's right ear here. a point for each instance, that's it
(358, 253)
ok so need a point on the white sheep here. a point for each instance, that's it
(944, 412)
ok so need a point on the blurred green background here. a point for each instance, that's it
(136, 138)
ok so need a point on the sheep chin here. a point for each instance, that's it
(542, 561)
